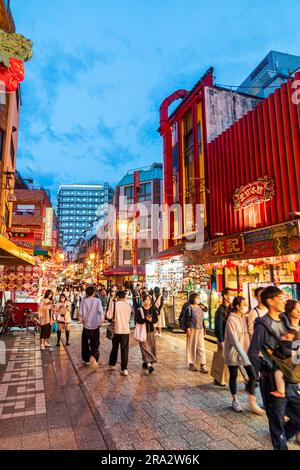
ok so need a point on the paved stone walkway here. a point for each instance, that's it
(50, 400)
(41, 403)
(173, 409)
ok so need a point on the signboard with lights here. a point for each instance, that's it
(22, 237)
(48, 228)
(259, 191)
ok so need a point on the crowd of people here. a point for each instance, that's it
(262, 344)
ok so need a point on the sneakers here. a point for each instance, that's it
(124, 372)
(47, 345)
(150, 370)
(85, 363)
(192, 367)
(236, 406)
(144, 366)
(67, 344)
(93, 363)
(204, 370)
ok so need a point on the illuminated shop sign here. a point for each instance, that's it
(48, 229)
(228, 246)
(257, 192)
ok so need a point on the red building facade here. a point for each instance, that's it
(264, 143)
(34, 215)
(204, 113)
(239, 157)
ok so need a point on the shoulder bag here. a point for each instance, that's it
(110, 332)
(140, 332)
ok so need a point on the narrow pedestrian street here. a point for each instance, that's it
(50, 400)
(149, 232)
(41, 403)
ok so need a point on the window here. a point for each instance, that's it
(189, 158)
(145, 222)
(145, 192)
(129, 193)
(199, 138)
(23, 209)
(127, 255)
(12, 152)
(144, 254)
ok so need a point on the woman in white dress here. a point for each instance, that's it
(158, 302)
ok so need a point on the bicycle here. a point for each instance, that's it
(13, 317)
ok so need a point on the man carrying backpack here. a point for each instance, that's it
(273, 325)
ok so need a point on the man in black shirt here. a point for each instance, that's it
(220, 320)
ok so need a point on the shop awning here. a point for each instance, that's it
(12, 255)
(124, 271)
(39, 251)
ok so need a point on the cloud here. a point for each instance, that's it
(100, 70)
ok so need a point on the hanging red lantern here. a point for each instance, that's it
(13, 75)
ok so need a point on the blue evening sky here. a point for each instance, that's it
(101, 68)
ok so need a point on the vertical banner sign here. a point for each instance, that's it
(48, 228)
(136, 215)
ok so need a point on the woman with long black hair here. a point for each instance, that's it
(44, 314)
(236, 345)
(147, 314)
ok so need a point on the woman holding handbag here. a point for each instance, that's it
(62, 317)
(44, 314)
(195, 341)
(147, 314)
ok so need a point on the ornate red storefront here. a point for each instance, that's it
(263, 144)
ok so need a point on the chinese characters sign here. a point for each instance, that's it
(48, 229)
(228, 247)
(23, 238)
(261, 190)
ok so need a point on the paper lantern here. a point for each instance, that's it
(12, 76)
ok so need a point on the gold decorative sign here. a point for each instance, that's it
(259, 191)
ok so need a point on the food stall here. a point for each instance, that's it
(176, 282)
